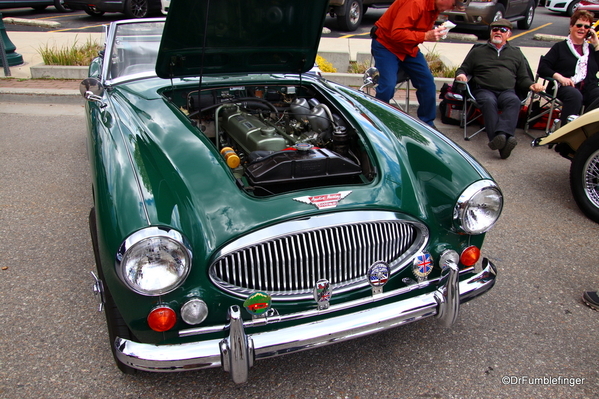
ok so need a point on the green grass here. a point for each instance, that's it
(438, 67)
(70, 56)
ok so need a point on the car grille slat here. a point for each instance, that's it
(289, 265)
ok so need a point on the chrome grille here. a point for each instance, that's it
(288, 266)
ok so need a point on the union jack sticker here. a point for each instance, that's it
(423, 265)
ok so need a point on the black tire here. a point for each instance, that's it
(499, 13)
(136, 8)
(114, 321)
(584, 177)
(572, 7)
(526, 23)
(60, 6)
(353, 16)
(116, 328)
(93, 12)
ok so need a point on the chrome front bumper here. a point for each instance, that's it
(237, 352)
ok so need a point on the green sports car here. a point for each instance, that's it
(245, 207)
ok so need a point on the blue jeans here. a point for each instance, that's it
(420, 75)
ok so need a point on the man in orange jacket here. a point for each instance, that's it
(396, 36)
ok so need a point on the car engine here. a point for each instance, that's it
(279, 139)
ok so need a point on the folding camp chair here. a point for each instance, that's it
(543, 106)
(371, 79)
(403, 79)
(471, 111)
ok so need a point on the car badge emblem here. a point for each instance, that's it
(422, 266)
(378, 275)
(324, 201)
(322, 293)
(257, 303)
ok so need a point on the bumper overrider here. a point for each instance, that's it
(236, 353)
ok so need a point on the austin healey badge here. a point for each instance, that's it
(378, 275)
(322, 293)
(324, 201)
(422, 266)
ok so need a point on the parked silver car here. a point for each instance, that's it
(477, 15)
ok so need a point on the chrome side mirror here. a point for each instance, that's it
(371, 78)
(91, 89)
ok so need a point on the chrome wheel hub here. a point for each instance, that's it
(591, 179)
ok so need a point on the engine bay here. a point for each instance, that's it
(278, 138)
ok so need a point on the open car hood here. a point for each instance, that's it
(240, 36)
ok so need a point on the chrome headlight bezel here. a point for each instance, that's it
(163, 275)
(478, 208)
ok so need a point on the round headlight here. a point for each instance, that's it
(154, 261)
(479, 207)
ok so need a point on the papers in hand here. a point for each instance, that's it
(447, 25)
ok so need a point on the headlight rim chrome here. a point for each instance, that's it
(151, 233)
(463, 204)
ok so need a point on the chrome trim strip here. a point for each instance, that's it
(207, 354)
(312, 223)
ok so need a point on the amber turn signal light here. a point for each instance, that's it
(162, 318)
(470, 256)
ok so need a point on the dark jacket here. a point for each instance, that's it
(495, 71)
(561, 60)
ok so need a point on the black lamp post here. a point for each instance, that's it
(8, 57)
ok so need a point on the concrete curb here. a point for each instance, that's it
(548, 38)
(40, 96)
(43, 71)
(31, 22)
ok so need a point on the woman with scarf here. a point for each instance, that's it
(573, 63)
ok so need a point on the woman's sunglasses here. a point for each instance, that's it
(583, 26)
(500, 29)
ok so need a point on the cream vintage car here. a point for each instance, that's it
(578, 142)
